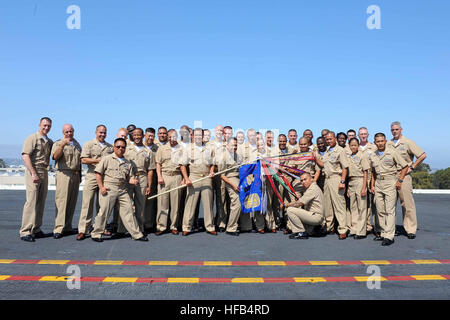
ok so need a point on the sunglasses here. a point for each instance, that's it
(120, 147)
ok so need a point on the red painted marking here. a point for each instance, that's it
(278, 280)
(444, 261)
(244, 263)
(399, 278)
(26, 261)
(297, 263)
(26, 278)
(215, 280)
(190, 263)
(92, 279)
(81, 262)
(401, 262)
(446, 276)
(345, 263)
(134, 263)
(339, 279)
(151, 280)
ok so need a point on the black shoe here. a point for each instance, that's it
(358, 237)
(378, 238)
(411, 236)
(221, 229)
(118, 235)
(143, 238)
(97, 239)
(299, 235)
(57, 236)
(233, 233)
(38, 235)
(351, 235)
(399, 233)
(27, 238)
(387, 242)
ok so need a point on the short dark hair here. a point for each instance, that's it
(45, 118)
(162, 128)
(150, 129)
(320, 138)
(120, 139)
(380, 134)
(351, 130)
(341, 134)
(99, 126)
(131, 127)
(227, 127)
(282, 135)
(353, 139)
(290, 130)
(142, 131)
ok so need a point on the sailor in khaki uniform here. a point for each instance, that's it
(292, 146)
(270, 150)
(320, 152)
(150, 224)
(162, 137)
(368, 148)
(200, 161)
(335, 165)
(227, 159)
(91, 154)
(357, 189)
(168, 169)
(408, 149)
(384, 185)
(36, 156)
(143, 159)
(66, 153)
(249, 153)
(217, 145)
(113, 175)
(303, 220)
(282, 150)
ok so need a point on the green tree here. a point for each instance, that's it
(441, 179)
(421, 177)
(2, 163)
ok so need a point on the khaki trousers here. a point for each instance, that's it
(168, 203)
(408, 205)
(372, 213)
(358, 207)
(33, 210)
(287, 197)
(66, 195)
(90, 190)
(139, 199)
(270, 213)
(220, 199)
(122, 196)
(235, 205)
(334, 202)
(204, 191)
(302, 220)
(385, 200)
(151, 207)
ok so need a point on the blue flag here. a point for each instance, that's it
(250, 187)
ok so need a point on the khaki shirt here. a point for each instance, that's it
(226, 160)
(39, 150)
(347, 150)
(386, 164)
(114, 171)
(93, 149)
(370, 148)
(70, 159)
(313, 199)
(358, 163)
(199, 159)
(159, 143)
(292, 148)
(248, 152)
(334, 161)
(142, 158)
(305, 165)
(407, 149)
(169, 158)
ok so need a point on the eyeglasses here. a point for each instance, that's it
(120, 147)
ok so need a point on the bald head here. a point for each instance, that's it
(303, 143)
(68, 131)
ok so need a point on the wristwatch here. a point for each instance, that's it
(412, 168)
(343, 181)
(400, 180)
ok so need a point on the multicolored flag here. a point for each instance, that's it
(250, 187)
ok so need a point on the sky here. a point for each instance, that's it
(245, 63)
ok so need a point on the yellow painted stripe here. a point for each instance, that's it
(4, 277)
(6, 260)
(119, 279)
(163, 263)
(429, 277)
(53, 261)
(247, 280)
(309, 279)
(218, 263)
(371, 278)
(53, 278)
(183, 280)
(426, 261)
(108, 262)
(375, 262)
(271, 263)
(324, 263)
